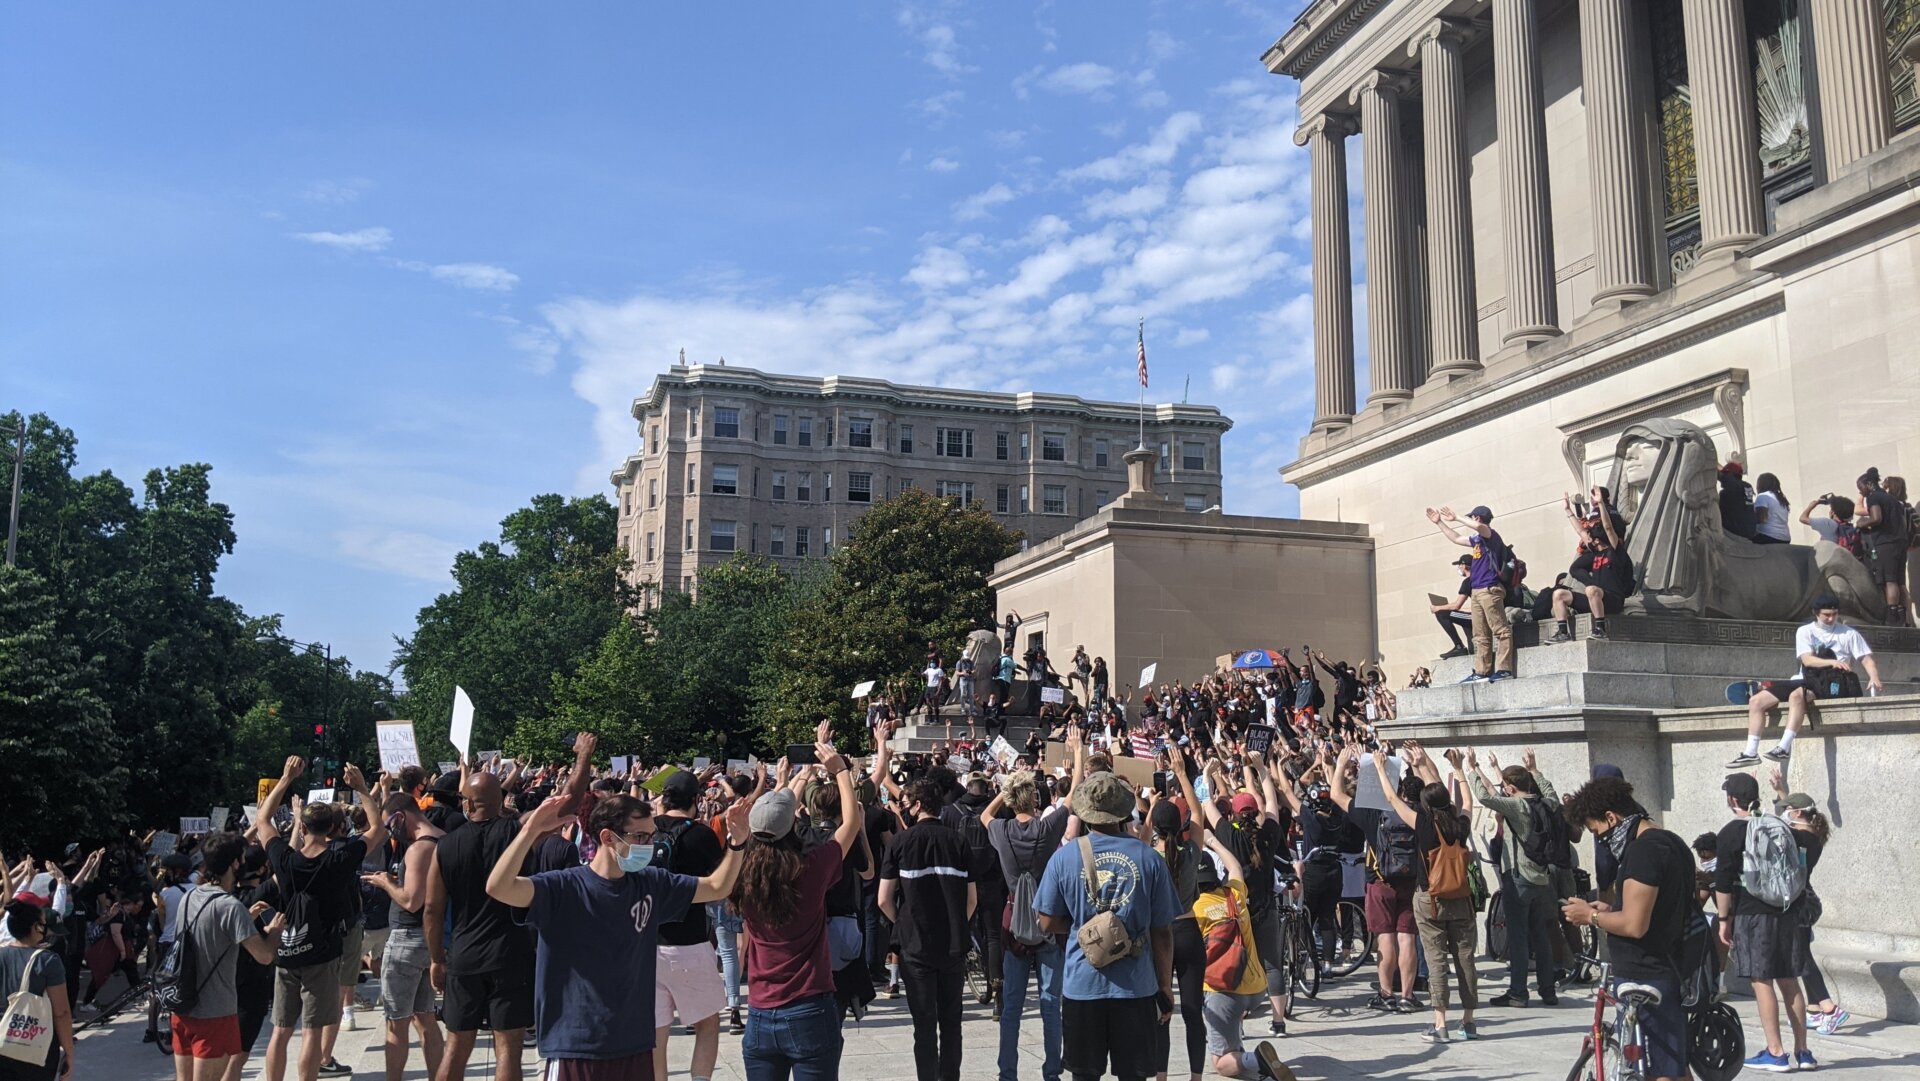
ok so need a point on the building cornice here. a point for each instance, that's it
(1318, 31)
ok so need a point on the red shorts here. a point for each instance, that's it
(632, 1068)
(1390, 908)
(206, 1037)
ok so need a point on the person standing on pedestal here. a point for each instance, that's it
(1492, 634)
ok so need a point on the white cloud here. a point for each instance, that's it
(1186, 336)
(943, 51)
(981, 204)
(1082, 78)
(336, 192)
(374, 239)
(476, 276)
(410, 555)
(941, 107)
(1132, 161)
(940, 268)
(942, 165)
(1130, 203)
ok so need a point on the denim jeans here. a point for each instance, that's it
(726, 934)
(800, 1040)
(1047, 963)
(876, 930)
(1531, 911)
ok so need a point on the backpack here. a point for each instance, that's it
(1847, 536)
(1772, 868)
(1104, 938)
(986, 862)
(1548, 843)
(1512, 571)
(311, 930)
(1699, 961)
(177, 982)
(1447, 876)
(1396, 858)
(1226, 950)
(26, 1029)
(664, 841)
(1019, 922)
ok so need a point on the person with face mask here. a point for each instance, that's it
(404, 986)
(27, 963)
(927, 889)
(1828, 650)
(599, 927)
(1326, 834)
(1645, 931)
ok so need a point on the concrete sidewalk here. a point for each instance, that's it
(1334, 1037)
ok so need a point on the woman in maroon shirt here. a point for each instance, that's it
(793, 1022)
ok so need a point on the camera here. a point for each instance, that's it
(1824, 500)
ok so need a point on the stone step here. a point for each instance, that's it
(1648, 689)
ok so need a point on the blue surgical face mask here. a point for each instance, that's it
(636, 858)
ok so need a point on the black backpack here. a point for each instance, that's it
(1548, 843)
(1397, 858)
(178, 981)
(664, 842)
(986, 861)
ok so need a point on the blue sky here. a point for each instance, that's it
(393, 269)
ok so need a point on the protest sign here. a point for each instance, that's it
(163, 844)
(1004, 753)
(490, 756)
(864, 689)
(266, 786)
(1260, 738)
(218, 817)
(189, 826)
(249, 813)
(701, 763)
(619, 763)
(320, 795)
(1137, 772)
(449, 767)
(1056, 695)
(460, 732)
(736, 766)
(397, 748)
(1369, 792)
(658, 782)
(1146, 674)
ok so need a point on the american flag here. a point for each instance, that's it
(1143, 353)
(1143, 745)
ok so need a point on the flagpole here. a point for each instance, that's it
(1143, 386)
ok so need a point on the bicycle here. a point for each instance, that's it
(1612, 1050)
(1355, 943)
(1296, 947)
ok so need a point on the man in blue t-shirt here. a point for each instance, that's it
(599, 927)
(1110, 1014)
(1488, 597)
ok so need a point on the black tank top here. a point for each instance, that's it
(400, 917)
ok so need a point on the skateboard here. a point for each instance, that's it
(1740, 692)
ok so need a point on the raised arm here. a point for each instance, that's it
(1338, 782)
(376, 834)
(1444, 519)
(271, 805)
(1393, 795)
(851, 823)
(1227, 858)
(718, 886)
(505, 883)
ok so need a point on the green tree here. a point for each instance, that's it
(533, 605)
(913, 570)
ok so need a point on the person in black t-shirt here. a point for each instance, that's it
(1603, 569)
(687, 979)
(1883, 526)
(927, 889)
(1645, 932)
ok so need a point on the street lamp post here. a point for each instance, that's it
(19, 436)
(320, 740)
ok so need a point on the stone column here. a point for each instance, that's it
(1856, 100)
(1452, 314)
(1533, 312)
(1325, 136)
(1616, 156)
(1389, 353)
(1726, 138)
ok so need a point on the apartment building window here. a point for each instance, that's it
(805, 433)
(686, 583)
(1026, 447)
(626, 502)
(693, 478)
(1053, 499)
(1002, 499)
(906, 482)
(829, 432)
(803, 489)
(753, 538)
(1101, 497)
(800, 538)
(779, 486)
(955, 489)
(721, 536)
(779, 430)
(826, 541)
(859, 487)
(1000, 446)
(653, 438)
(726, 480)
(653, 491)
(777, 540)
(1021, 507)
(1195, 503)
(726, 423)
(1193, 456)
(693, 419)
(826, 487)
(906, 439)
(1101, 449)
(859, 433)
(688, 546)
(1166, 456)
(649, 547)
(1053, 447)
(953, 442)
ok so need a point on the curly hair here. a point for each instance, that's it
(1599, 796)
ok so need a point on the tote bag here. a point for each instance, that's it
(26, 1030)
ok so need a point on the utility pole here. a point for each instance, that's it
(13, 512)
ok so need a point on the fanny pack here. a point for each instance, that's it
(1104, 939)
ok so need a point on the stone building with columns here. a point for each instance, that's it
(1579, 215)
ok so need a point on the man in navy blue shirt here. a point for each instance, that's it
(599, 928)
(1488, 599)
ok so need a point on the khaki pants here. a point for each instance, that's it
(1448, 934)
(1491, 629)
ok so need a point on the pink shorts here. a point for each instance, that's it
(686, 981)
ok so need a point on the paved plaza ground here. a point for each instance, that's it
(1335, 1037)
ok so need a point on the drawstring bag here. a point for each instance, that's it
(26, 1030)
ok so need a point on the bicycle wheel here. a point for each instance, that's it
(1589, 1067)
(1355, 943)
(1301, 971)
(1497, 927)
(1583, 1068)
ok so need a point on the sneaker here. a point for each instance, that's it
(1830, 1024)
(1434, 1035)
(346, 1021)
(735, 1026)
(1768, 1062)
(1507, 1000)
(1498, 676)
(1597, 634)
(1475, 677)
(1779, 754)
(151, 1037)
(333, 1068)
(1803, 1060)
(1277, 1027)
(1404, 1005)
(1466, 1030)
(1815, 1019)
(1559, 637)
(1452, 653)
(1380, 1002)
(1548, 998)
(1743, 760)
(1270, 1064)
(893, 990)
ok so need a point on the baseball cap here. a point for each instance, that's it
(1608, 769)
(772, 815)
(684, 787)
(1800, 801)
(1103, 799)
(1743, 788)
(1481, 512)
(1463, 561)
(1244, 802)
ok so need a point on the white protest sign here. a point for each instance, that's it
(864, 689)
(460, 732)
(163, 844)
(1146, 674)
(490, 756)
(194, 825)
(250, 812)
(320, 795)
(1004, 752)
(218, 818)
(736, 766)
(449, 767)
(1370, 794)
(619, 762)
(1056, 695)
(701, 763)
(397, 748)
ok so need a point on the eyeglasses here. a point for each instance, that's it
(638, 838)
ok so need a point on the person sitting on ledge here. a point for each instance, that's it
(1828, 650)
(1603, 569)
(1736, 501)
(1453, 614)
(1837, 526)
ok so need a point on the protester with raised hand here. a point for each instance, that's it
(927, 889)
(1221, 902)
(1531, 894)
(1442, 901)
(215, 925)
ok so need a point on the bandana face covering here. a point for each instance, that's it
(1621, 833)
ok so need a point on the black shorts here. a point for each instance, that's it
(1887, 562)
(1097, 1032)
(502, 1000)
(1613, 602)
(1815, 688)
(1768, 946)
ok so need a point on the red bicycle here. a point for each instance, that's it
(1613, 1050)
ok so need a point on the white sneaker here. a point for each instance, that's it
(346, 1020)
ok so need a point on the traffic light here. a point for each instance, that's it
(319, 731)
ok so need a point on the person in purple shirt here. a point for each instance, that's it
(599, 927)
(1488, 598)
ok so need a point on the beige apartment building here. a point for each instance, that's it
(737, 460)
(1582, 216)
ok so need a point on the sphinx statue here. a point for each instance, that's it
(1664, 478)
(983, 649)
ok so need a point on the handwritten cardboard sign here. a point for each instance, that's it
(397, 747)
(864, 689)
(189, 826)
(1055, 695)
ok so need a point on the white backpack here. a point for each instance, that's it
(1772, 868)
(26, 1030)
